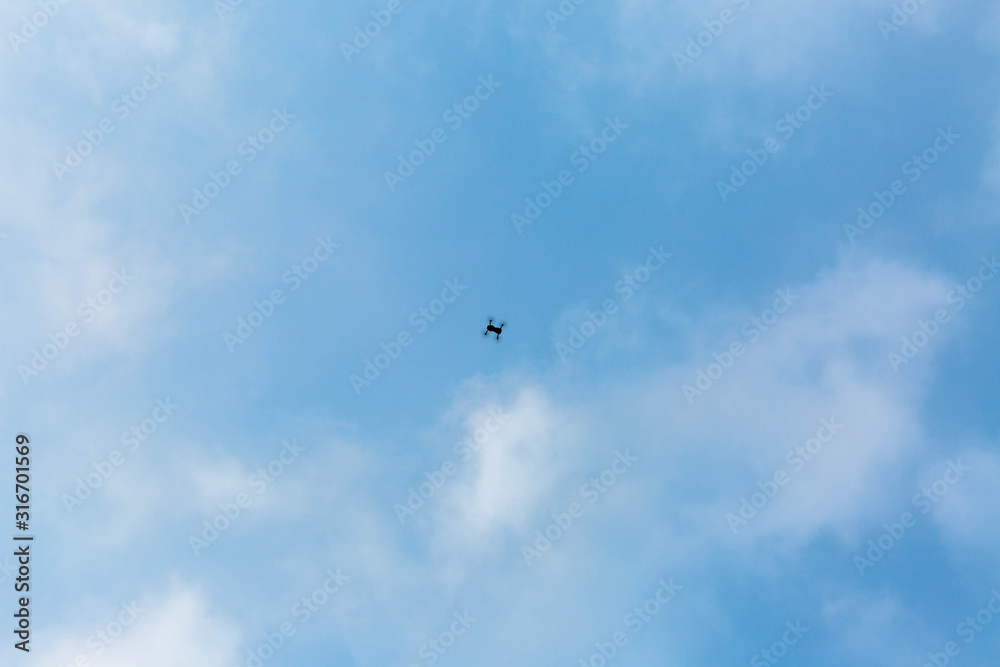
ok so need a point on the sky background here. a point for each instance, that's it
(566, 417)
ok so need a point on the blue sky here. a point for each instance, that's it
(749, 353)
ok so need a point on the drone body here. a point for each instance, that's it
(492, 329)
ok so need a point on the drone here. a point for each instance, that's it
(492, 329)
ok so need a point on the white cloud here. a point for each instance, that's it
(826, 358)
(178, 629)
(168, 486)
(515, 468)
(64, 238)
